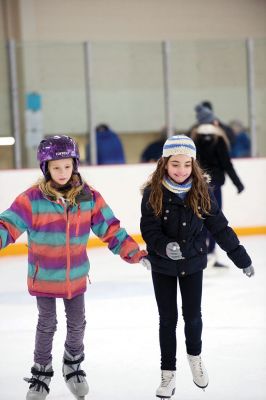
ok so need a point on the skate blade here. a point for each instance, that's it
(79, 397)
(201, 387)
(166, 397)
(163, 398)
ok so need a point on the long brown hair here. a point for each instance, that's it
(51, 191)
(198, 197)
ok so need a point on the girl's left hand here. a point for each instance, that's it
(146, 263)
(249, 271)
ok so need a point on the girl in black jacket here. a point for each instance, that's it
(176, 205)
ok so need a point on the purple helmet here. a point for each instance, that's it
(57, 148)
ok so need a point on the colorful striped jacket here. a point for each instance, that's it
(58, 264)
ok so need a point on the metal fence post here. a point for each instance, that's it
(251, 95)
(167, 87)
(90, 124)
(14, 99)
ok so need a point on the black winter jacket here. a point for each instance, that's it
(178, 223)
(213, 156)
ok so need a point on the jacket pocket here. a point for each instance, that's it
(200, 246)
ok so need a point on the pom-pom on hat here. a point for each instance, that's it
(204, 115)
(179, 144)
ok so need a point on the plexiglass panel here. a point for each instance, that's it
(209, 70)
(5, 118)
(127, 86)
(6, 152)
(260, 94)
(56, 72)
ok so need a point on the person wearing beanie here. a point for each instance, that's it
(205, 115)
(177, 209)
(213, 154)
(58, 213)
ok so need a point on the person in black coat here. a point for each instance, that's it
(226, 128)
(177, 204)
(213, 154)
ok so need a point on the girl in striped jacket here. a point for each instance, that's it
(58, 214)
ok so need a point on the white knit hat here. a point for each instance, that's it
(179, 144)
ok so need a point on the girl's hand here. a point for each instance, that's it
(173, 251)
(146, 263)
(249, 271)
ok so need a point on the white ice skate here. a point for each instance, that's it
(39, 382)
(199, 372)
(167, 387)
(74, 376)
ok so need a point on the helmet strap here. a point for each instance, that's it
(74, 181)
(47, 176)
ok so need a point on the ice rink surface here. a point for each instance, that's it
(122, 350)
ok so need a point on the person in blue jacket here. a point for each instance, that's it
(242, 143)
(153, 151)
(109, 147)
(177, 204)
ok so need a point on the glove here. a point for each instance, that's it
(173, 251)
(249, 271)
(240, 188)
(146, 263)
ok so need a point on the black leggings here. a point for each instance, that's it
(165, 288)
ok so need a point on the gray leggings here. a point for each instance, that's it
(47, 323)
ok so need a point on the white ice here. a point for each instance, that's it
(122, 350)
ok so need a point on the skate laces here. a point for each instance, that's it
(37, 384)
(196, 362)
(74, 366)
(166, 379)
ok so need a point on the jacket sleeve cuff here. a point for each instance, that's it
(160, 247)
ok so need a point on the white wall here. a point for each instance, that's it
(120, 186)
(78, 20)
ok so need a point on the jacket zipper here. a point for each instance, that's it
(67, 256)
(78, 222)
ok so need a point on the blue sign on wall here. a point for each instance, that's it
(33, 101)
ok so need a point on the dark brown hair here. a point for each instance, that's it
(198, 197)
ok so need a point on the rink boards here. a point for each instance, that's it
(121, 188)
